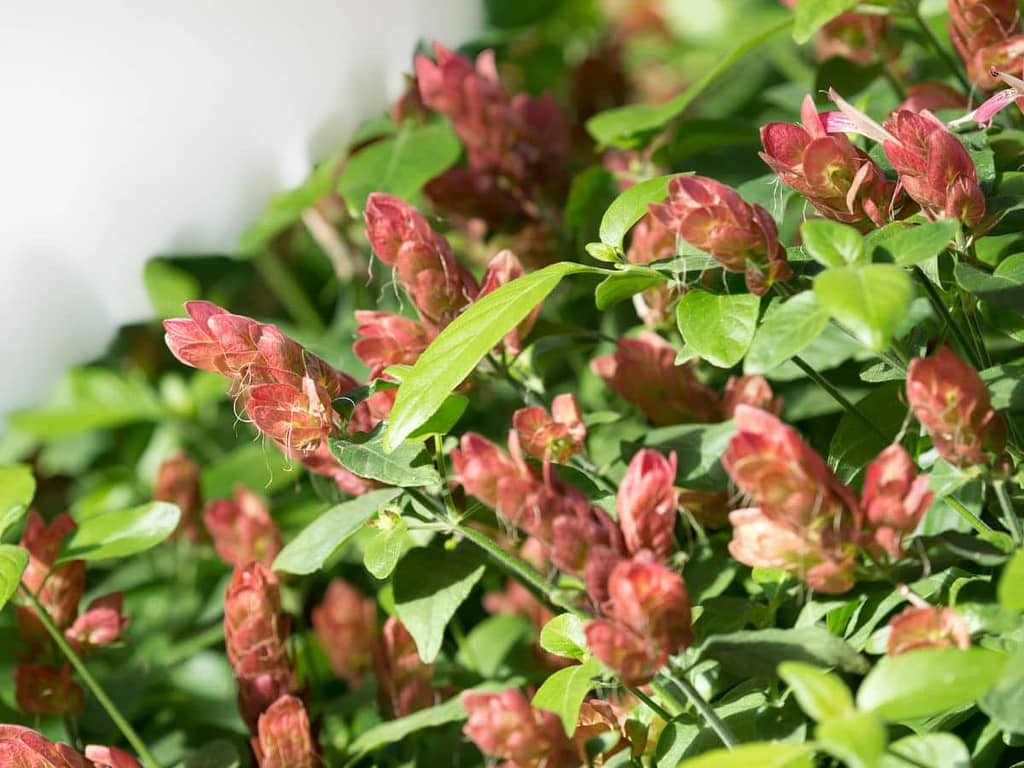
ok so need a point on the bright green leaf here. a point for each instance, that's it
(395, 731)
(832, 244)
(430, 585)
(631, 206)
(308, 551)
(13, 561)
(169, 287)
(907, 245)
(407, 466)
(564, 691)
(821, 694)
(563, 636)
(453, 355)
(1011, 584)
(784, 332)
(719, 328)
(812, 15)
(386, 548)
(17, 487)
(1004, 702)
(761, 755)
(486, 648)
(869, 300)
(928, 682)
(935, 750)
(110, 535)
(624, 285)
(857, 738)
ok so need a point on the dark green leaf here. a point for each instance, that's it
(856, 442)
(430, 584)
(453, 355)
(1006, 385)
(254, 465)
(812, 15)
(832, 244)
(929, 682)
(760, 652)
(308, 551)
(591, 192)
(13, 561)
(870, 300)
(624, 285)
(718, 328)
(407, 466)
(109, 535)
(17, 487)
(564, 691)
(784, 332)
(216, 754)
(396, 731)
(1003, 290)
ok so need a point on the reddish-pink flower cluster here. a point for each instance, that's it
(805, 521)
(177, 481)
(650, 241)
(950, 400)
(516, 146)
(643, 372)
(555, 436)
(42, 689)
(855, 36)
(740, 237)
(927, 627)
(242, 529)
(24, 748)
(283, 736)
(987, 35)
(346, 627)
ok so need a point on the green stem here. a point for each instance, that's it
(288, 291)
(97, 690)
(442, 468)
(655, 707)
(915, 14)
(943, 311)
(706, 711)
(838, 396)
(984, 361)
(1006, 504)
(972, 519)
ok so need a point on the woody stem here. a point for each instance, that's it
(1006, 504)
(838, 396)
(933, 41)
(706, 711)
(93, 685)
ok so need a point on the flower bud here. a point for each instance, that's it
(505, 726)
(43, 690)
(24, 748)
(714, 218)
(643, 372)
(927, 627)
(404, 682)
(110, 757)
(242, 529)
(346, 625)
(283, 736)
(950, 400)
(101, 624)
(388, 339)
(894, 499)
(212, 339)
(646, 503)
(555, 437)
(177, 481)
(749, 390)
(297, 419)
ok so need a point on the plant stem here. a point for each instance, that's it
(972, 519)
(838, 396)
(442, 468)
(288, 291)
(655, 707)
(97, 690)
(706, 711)
(943, 311)
(915, 14)
(1006, 504)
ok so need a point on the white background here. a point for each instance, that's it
(133, 128)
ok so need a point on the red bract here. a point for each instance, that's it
(894, 499)
(643, 371)
(927, 627)
(101, 624)
(505, 726)
(24, 748)
(177, 481)
(651, 241)
(404, 682)
(838, 179)
(749, 390)
(646, 503)
(283, 738)
(932, 97)
(110, 757)
(389, 339)
(297, 419)
(346, 625)
(648, 619)
(480, 467)
(986, 34)
(212, 339)
(40, 689)
(713, 217)
(551, 437)
(503, 269)
(950, 400)
(58, 590)
(256, 635)
(242, 529)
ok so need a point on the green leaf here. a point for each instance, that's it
(1003, 290)
(563, 636)
(928, 682)
(1011, 584)
(17, 488)
(591, 192)
(564, 691)
(820, 694)
(444, 420)
(216, 754)
(254, 465)
(169, 287)
(870, 300)
(760, 755)
(624, 285)
(110, 535)
(855, 443)
(386, 548)
(396, 731)
(399, 165)
(832, 244)
(858, 739)
(453, 355)
(761, 651)
(812, 15)
(407, 466)
(490, 642)
(631, 206)
(936, 750)
(430, 585)
(719, 328)
(785, 331)
(13, 561)
(308, 551)
(622, 125)
(907, 245)
(1005, 384)
(698, 447)
(1004, 702)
